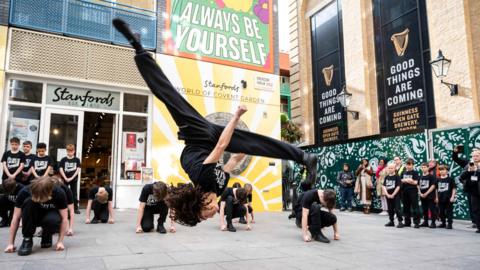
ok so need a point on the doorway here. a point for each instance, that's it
(98, 135)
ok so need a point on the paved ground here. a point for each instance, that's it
(275, 243)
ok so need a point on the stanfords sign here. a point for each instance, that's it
(231, 32)
(84, 98)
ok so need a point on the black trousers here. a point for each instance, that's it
(194, 129)
(411, 207)
(73, 187)
(394, 208)
(148, 216)
(474, 215)
(33, 216)
(100, 211)
(446, 211)
(6, 208)
(429, 204)
(475, 199)
(234, 210)
(317, 218)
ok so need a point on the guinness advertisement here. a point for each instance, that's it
(403, 89)
(328, 76)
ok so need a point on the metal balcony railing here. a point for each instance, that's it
(84, 18)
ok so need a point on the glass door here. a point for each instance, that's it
(63, 127)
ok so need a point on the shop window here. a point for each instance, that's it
(25, 91)
(134, 142)
(135, 103)
(284, 105)
(23, 123)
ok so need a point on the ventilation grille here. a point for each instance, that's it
(51, 55)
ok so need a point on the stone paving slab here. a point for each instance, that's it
(274, 243)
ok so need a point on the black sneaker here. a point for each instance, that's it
(46, 240)
(161, 228)
(4, 223)
(242, 220)
(230, 228)
(416, 226)
(424, 224)
(350, 209)
(407, 225)
(321, 238)
(390, 224)
(94, 221)
(26, 247)
(292, 215)
(126, 31)
(342, 209)
(76, 211)
(477, 231)
(433, 225)
(441, 225)
(400, 225)
(474, 226)
(449, 226)
(310, 161)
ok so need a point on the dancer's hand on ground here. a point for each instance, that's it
(249, 228)
(87, 221)
(10, 249)
(59, 246)
(307, 238)
(336, 236)
(111, 221)
(173, 229)
(139, 229)
(70, 232)
(241, 110)
(253, 221)
(223, 227)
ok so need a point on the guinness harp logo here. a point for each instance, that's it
(328, 75)
(400, 41)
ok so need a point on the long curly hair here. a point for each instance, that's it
(186, 203)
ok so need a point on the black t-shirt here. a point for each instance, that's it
(58, 200)
(68, 192)
(409, 175)
(425, 182)
(445, 188)
(249, 198)
(93, 192)
(28, 162)
(210, 177)
(69, 166)
(12, 197)
(147, 196)
(40, 164)
(391, 183)
(13, 162)
(309, 198)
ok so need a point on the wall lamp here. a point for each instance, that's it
(440, 67)
(345, 98)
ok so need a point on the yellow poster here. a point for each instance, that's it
(215, 91)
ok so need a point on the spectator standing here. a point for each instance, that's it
(380, 175)
(364, 185)
(346, 180)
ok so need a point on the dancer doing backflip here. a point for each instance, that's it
(205, 143)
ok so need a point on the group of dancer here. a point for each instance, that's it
(45, 201)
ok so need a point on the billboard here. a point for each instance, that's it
(229, 32)
(215, 91)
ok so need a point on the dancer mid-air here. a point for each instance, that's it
(205, 143)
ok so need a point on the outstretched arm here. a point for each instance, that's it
(225, 137)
